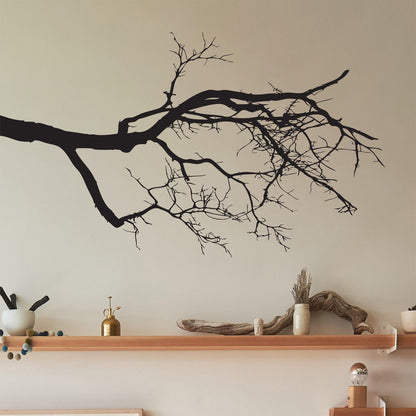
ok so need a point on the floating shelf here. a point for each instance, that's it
(214, 342)
(399, 411)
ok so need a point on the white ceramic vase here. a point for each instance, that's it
(301, 319)
(17, 321)
(409, 321)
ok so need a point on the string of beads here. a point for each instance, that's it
(27, 344)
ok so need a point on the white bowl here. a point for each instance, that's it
(409, 321)
(17, 321)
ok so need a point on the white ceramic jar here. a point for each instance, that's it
(409, 321)
(17, 321)
(301, 319)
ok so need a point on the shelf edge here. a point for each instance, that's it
(214, 342)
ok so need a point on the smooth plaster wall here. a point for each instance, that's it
(82, 66)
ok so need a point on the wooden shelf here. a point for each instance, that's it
(399, 411)
(214, 342)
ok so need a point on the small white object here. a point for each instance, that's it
(17, 321)
(258, 326)
(2, 340)
(382, 403)
(386, 328)
(408, 321)
(51, 333)
(301, 319)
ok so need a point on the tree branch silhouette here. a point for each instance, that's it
(291, 131)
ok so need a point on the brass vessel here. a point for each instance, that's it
(110, 326)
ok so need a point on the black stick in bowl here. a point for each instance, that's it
(6, 299)
(13, 300)
(39, 303)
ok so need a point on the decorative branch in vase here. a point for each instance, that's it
(17, 321)
(301, 313)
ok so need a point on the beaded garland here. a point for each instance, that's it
(27, 345)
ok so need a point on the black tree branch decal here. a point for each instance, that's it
(289, 132)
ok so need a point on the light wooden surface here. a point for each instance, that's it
(137, 412)
(341, 411)
(357, 396)
(212, 342)
(406, 341)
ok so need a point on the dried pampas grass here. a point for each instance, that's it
(302, 288)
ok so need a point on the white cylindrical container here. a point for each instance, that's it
(258, 326)
(17, 321)
(409, 321)
(301, 319)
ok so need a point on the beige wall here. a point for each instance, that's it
(82, 66)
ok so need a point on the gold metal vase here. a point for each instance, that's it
(110, 326)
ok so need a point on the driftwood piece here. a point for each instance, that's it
(323, 301)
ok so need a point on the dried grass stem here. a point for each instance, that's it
(302, 288)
